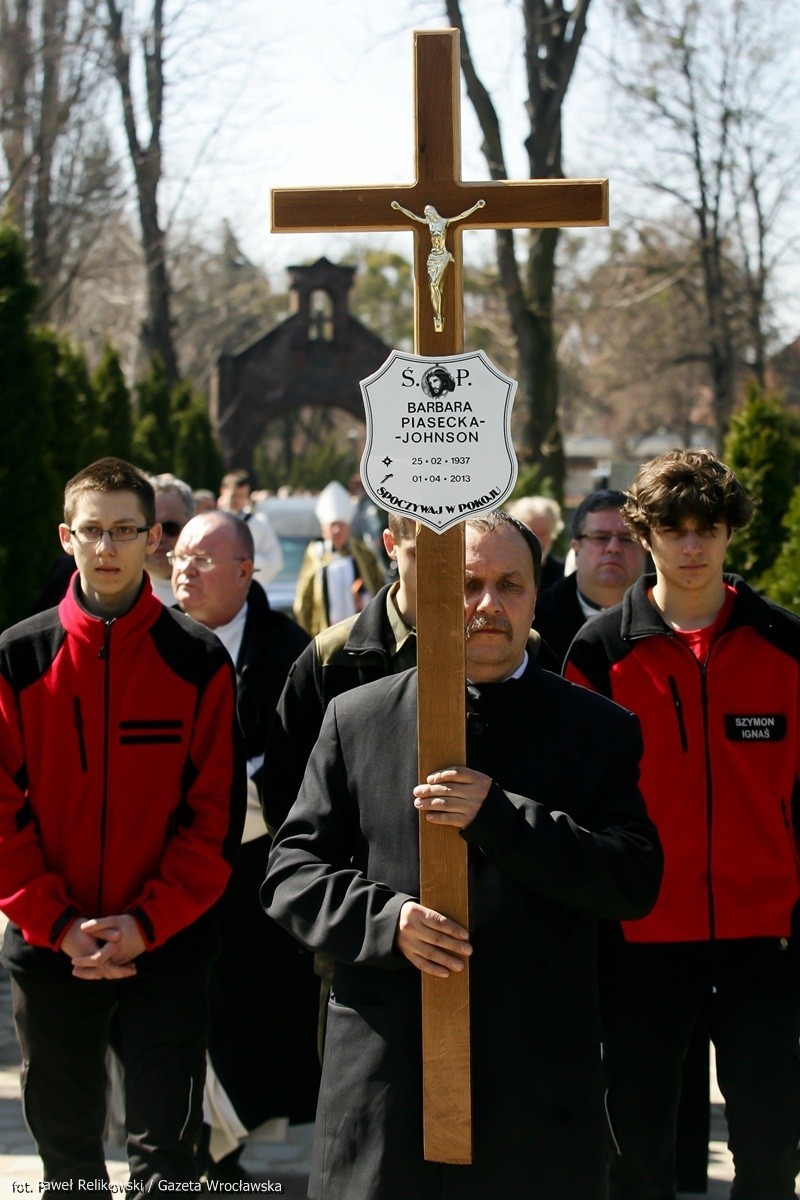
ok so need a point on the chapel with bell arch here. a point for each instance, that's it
(316, 357)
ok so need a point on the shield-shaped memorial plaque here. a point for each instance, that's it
(438, 446)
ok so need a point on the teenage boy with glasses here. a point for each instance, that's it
(121, 807)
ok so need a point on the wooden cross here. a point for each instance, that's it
(441, 716)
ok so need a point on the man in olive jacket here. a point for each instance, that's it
(556, 840)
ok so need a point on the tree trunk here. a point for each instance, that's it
(157, 330)
(722, 358)
(552, 40)
(544, 426)
(54, 24)
(16, 62)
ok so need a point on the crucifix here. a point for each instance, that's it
(438, 330)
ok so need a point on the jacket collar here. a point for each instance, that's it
(83, 625)
(372, 631)
(257, 636)
(641, 619)
(257, 602)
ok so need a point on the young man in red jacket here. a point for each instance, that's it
(713, 672)
(121, 807)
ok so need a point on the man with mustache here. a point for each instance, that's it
(556, 839)
(379, 641)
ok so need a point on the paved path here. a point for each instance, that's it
(285, 1163)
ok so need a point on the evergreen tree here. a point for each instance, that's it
(75, 440)
(114, 415)
(29, 490)
(173, 431)
(324, 461)
(383, 296)
(197, 457)
(763, 448)
(154, 432)
(530, 482)
(782, 582)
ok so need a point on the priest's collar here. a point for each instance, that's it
(588, 607)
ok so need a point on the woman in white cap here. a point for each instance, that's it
(339, 574)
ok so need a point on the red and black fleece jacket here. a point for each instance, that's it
(721, 760)
(122, 781)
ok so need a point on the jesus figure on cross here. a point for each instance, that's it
(439, 256)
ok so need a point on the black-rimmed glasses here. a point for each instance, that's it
(89, 535)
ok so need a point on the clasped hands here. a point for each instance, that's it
(430, 941)
(103, 947)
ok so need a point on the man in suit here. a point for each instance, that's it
(235, 497)
(174, 507)
(556, 840)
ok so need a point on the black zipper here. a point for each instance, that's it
(676, 700)
(712, 919)
(76, 705)
(105, 654)
(787, 824)
(702, 668)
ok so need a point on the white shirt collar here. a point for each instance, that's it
(231, 634)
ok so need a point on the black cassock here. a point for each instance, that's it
(561, 840)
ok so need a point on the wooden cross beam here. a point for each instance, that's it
(441, 716)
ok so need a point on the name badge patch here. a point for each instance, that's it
(755, 727)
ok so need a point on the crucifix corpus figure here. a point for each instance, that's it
(439, 256)
(354, 874)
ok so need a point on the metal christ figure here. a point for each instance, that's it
(439, 256)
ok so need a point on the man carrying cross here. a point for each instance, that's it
(555, 840)
(437, 188)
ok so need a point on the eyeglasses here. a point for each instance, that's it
(171, 528)
(604, 539)
(89, 535)
(199, 561)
